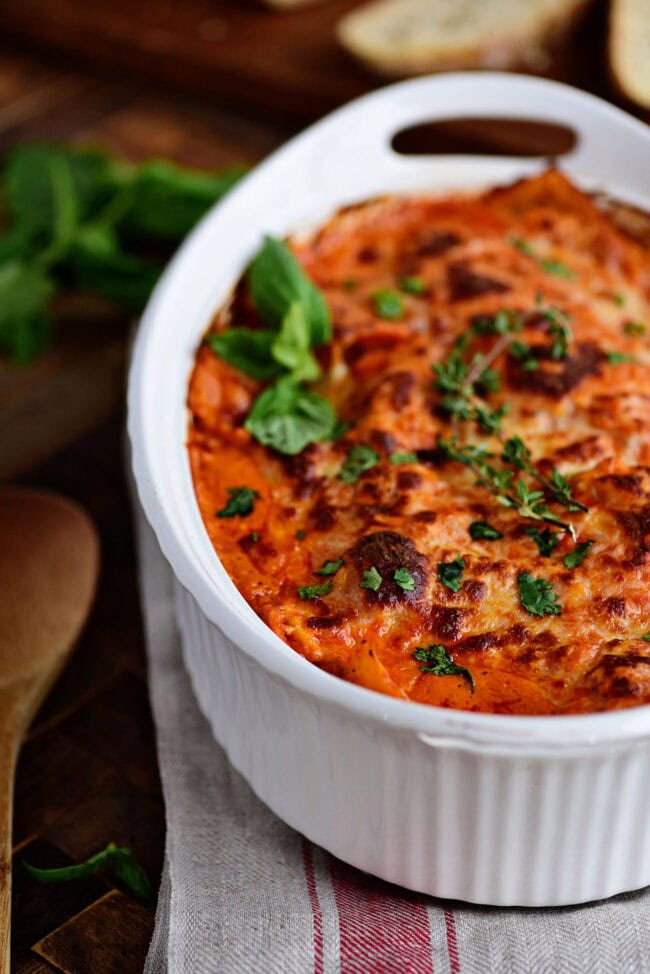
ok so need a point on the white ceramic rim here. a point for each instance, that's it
(160, 462)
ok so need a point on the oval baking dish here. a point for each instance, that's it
(503, 810)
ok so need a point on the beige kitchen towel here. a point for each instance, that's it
(242, 893)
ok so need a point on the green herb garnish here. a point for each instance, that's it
(437, 661)
(113, 859)
(618, 298)
(246, 350)
(576, 557)
(634, 328)
(300, 535)
(371, 579)
(388, 304)
(450, 573)
(619, 358)
(404, 579)
(403, 457)
(482, 531)
(330, 567)
(646, 638)
(412, 285)
(80, 220)
(359, 459)
(537, 596)
(546, 540)
(315, 591)
(287, 417)
(557, 268)
(240, 503)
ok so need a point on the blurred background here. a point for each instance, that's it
(213, 85)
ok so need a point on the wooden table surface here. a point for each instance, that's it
(88, 772)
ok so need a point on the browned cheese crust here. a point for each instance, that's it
(585, 415)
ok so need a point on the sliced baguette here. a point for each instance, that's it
(289, 4)
(629, 48)
(403, 37)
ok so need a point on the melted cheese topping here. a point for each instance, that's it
(586, 416)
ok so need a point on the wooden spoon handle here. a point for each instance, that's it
(8, 750)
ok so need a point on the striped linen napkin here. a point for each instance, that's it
(242, 893)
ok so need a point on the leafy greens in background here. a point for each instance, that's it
(79, 219)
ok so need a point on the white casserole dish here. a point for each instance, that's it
(502, 810)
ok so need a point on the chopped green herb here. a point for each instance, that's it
(118, 861)
(438, 662)
(254, 537)
(516, 452)
(634, 328)
(404, 579)
(371, 579)
(359, 459)
(330, 567)
(537, 596)
(240, 503)
(576, 557)
(557, 268)
(523, 246)
(315, 591)
(300, 535)
(646, 638)
(618, 298)
(490, 420)
(619, 358)
(489, 380)
(546, 540)
(388, 304)
(450, 573)
(403, 457)
(482, 531)
(350, 283)
(412, 285)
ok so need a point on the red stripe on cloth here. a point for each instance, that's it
(452, 943)
(384, 930)
(317, 913)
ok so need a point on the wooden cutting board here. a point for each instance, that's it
(242, 53)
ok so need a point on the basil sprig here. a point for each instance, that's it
(286, 416)
(80, 220)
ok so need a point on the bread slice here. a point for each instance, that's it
(289, 4)
(629, 48)
(403, 37)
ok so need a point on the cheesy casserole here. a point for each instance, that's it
(473, 530)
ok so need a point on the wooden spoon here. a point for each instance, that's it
(49, 561)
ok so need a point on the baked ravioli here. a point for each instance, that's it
(420, 445)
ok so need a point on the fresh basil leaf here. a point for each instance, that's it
(287, 417)
(119, 861)
(25, 291)
(132, 875)
(291, 347)
(246, 350)
(438, 662)
(167, 201)
(277, 281)
(97, 263)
